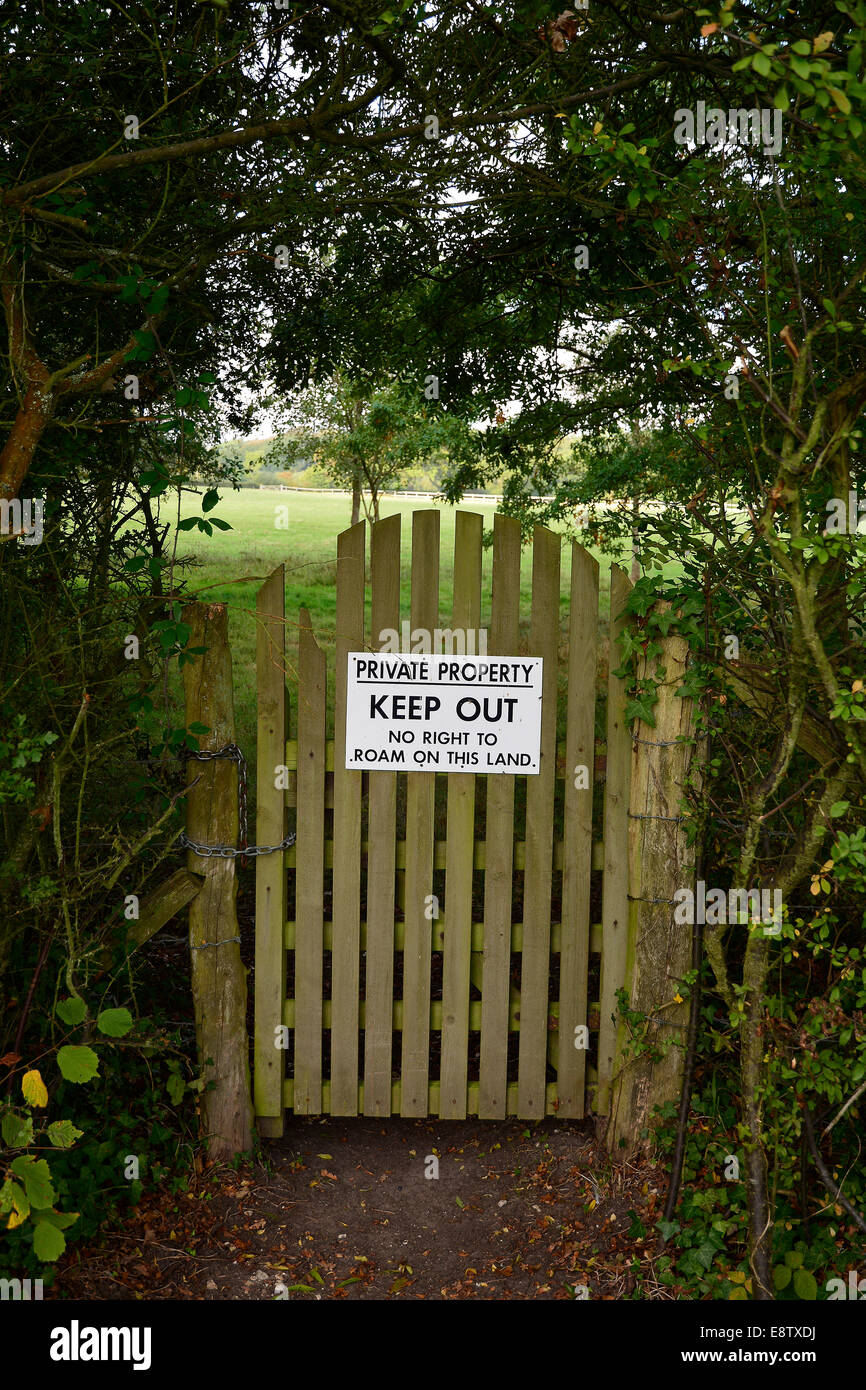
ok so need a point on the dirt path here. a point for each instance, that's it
(343, 1209)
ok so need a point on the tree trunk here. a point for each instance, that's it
(356, 495)
(219, 983)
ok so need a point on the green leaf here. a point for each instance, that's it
(794, 1259)
(840, 808)
(641, 709)
(188, 523)
(60, 1219)
(222, 525)
(77, 1063)
(175, 1085)
(13, 1199)
(805, 1285)
(115, 1023)
(35, 1174)
(48, 1242)
(210, 500)
(762, 64)
(17, 1130)
(782, 1276)
(146, 342)
(63, 1134)
(72, 1011)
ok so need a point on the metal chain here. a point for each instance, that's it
(245, 851)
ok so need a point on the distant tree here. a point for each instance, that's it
(367, 439)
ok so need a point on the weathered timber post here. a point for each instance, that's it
(219, 983)
(659, 950)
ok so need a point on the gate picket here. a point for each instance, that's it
(420, 805)
(270, 975)
(382, 854)
(346, 910)
(535, 960)
(499, 837)
(310, 872)
(466, 617)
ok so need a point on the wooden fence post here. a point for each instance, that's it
(614, 909)
(659, 950)
(219, 984)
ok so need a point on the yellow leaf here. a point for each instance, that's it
(823, 41)
(15, 1219)
(858, 685)
(596, 128)
(678, 998)
(841, 100)
(34, 1088)
(814, 888)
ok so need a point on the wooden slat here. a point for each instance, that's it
(419, 844)
(435, 1007)
(309, 880)
(439, 928)
(535, 961)
(270, 973)
(577, 830)
(499, 836)
(433, 1096)
(482, 850)
(381, 860)
(466, 616)
(291, 758)
(614, 910)
(346, 956)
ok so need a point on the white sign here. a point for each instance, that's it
(412, 713)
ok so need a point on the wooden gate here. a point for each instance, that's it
(427, 946)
